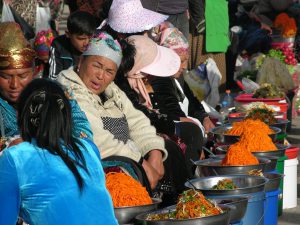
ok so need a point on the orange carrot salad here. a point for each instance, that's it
(237, 156)
(126, 191)
(249, 125)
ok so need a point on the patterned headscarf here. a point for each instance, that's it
(43, 42)
(15, 51)
(172, 38)
(104, 45)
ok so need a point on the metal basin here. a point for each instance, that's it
(246, 184)
(126, 215)
(281, 124)
(213, 167)
(222, 219)
(273, 181)
(221, 137)
(271, 166)
(276, 153)
(239, 207)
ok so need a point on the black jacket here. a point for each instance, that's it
(166, 98)
(62, 56)
(161, 122)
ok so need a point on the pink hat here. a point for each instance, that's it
(129, 16)
(153, 59)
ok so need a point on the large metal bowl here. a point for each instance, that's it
(239, 206)
(273, 181)
(213, 167)
(220, 136)
(276, 153)
(246, 184)
(281, 124)
(222, 219)
(126, 215)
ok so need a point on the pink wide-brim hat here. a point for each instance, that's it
(129, 16)
(153, 59)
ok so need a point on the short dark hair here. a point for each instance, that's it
(81, 22)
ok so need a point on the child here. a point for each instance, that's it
(42, 45)
(66, 49)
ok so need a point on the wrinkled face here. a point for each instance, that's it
(184, 57)
(97, 72)
(80, 42)
(13, 81)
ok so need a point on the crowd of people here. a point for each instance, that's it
(106, 95)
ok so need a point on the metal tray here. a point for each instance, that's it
(277, 153)
(273, 181)
(126, 215)
(213, 167)
(222, 219)
(246, 184)
(220, 136)
(239, 207)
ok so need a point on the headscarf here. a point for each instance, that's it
(43, 42)
(15, 51)
(104, 45)
(172, 38)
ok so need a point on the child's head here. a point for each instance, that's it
(42, 44)
(81, 26)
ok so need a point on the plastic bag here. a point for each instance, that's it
(214, 77)
(197, 81)
(43, 17)
(275, 72)
(7, 15)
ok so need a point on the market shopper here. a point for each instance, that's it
(51, 177)
(119, 129)
(16, 72)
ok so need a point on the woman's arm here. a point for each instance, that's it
(9, 190)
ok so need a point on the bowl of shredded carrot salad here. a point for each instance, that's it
(243, 184)
(129, 197)
(216, 167)
(231, 133)
(259, 152)
(192, 208)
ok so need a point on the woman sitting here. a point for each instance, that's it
(51, 177)
(119, 129)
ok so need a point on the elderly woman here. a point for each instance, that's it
(16, 72)
(119, 129)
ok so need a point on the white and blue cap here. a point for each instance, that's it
(104, 45)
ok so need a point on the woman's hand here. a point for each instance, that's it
(154, 167)
(152, 174)
(207, 124)
(155, 160)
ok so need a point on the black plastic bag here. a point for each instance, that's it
(28, 30)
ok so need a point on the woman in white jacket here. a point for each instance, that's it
(119, 129)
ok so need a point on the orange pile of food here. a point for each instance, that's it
(254, 138)
(250, 126)
(237, 156)
(126, 191)
(287, 25)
